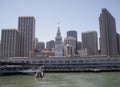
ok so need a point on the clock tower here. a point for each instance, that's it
(58, 44)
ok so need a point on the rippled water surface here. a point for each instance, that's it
(109, 79)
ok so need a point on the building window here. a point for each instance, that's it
(67, 61)
(60, 61)
(47, 61)
(94, 60)
(34, 62)
(87, 61)
(80, 61)
(40, 62)
(74, 61)
(28, 62)
(53, 61)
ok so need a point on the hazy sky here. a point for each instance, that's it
(79, 15)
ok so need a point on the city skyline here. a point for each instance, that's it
(78, 15)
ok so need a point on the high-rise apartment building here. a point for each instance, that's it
(89, 42)
(9, 43)
(26, 27)
(50, 45)
(108, 38)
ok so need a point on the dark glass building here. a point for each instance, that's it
(72, 33)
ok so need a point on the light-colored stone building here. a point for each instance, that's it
(69, 50)
(26, 27)
(9, 43)
(69, 46)
(58, 44)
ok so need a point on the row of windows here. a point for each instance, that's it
(69, 61)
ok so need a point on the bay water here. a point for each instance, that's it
(106, 79)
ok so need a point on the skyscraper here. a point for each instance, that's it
(9, 43)
(26, 27)
(69, 46)
(118, 43)
(108, 38)
(0, 48)
(70, 41)
(79, 45)
(73, 33)
(40, 46)
(89, 42)
(36, 42)
(50, 45)
(58, 44)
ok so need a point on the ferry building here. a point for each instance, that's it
(58, 44)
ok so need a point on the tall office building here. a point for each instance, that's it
(50, 45)
(69, 46)
(40, 46)
(89, 42)
(79, 45)
(58, 44)
(108, 38)
(73, 33)
(36, 42)
(0, 48)
(71, 41)
(26, 27)
(9, 43)
(118, 43)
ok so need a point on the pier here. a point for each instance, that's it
(61, 64)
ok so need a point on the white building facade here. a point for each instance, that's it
(58, 44)
(69, 46)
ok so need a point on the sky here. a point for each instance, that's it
(78, 15)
